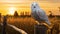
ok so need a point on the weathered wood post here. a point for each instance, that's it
(4, 25)
(40, 29)
(0, 17)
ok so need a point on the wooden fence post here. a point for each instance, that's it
(4, 25)
(40, 29)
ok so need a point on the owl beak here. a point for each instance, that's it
(34, 7)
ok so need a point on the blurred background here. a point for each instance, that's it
(18, 13)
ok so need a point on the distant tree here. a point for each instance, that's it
(50, 15)
(22, 13)
(59, 9)
(50, 12)
(15, 14)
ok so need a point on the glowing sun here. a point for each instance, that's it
(11, 10)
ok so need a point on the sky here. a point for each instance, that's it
(9, 6)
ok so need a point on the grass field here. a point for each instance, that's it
(26, 24)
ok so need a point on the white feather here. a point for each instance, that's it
(38, 13)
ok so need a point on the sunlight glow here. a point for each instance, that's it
(11, 10)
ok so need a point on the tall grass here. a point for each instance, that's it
(26, 24)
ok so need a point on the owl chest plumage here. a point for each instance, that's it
(35, 16)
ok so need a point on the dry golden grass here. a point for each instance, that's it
(26, 24)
